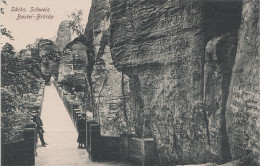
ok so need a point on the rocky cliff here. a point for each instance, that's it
(193, 73)
(220, 53)
(161, 48)
(243, 116)
(109, 87)
(63, 35)
(73, 64)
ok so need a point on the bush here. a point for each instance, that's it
(18, 77)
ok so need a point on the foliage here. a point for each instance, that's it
(49, 56)
(8, 104)
(20, 76)
(75, 22)
(8, 49)
(33, 67)
(53, 55)
(33, 51)
(6, 32)
(11, 107)
(76, 80)
(4, 1)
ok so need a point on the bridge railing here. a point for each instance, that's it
(109, 148)
(21, 152)
(71, 103)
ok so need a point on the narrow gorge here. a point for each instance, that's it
(183, 72)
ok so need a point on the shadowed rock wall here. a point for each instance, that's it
(179, 57)
(219, 60)
(161, 48)
(243, 113)
(73, 64)
(110, 92)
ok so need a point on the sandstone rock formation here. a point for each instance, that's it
(73, 64)
(109, 87)
(160, 47)
(63, 35)
(243, 117)
(219, 59)
(193, 74)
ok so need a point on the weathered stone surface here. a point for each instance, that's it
(219, 59)
(63, 35)
(141, 35)
(220, 17)
(243, 112)
(160, 48)
(109, 88)
(73, 64)
(108, 97)
(179, 55)
(99, 9)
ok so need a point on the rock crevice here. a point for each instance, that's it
(178, 70)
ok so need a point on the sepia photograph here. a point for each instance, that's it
(130, 82)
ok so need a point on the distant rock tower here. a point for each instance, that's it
(63, 35)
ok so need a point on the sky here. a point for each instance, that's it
(26, 31)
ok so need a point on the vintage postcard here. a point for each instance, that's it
(130, 82)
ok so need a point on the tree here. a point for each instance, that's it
(8, 49)
(18, 77)
(7, 68)
(6, 32)
(17, 74)
(75, 22)
(4, 1)
(9, 106)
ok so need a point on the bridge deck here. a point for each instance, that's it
(61, 136)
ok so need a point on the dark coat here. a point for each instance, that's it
(82, 131)
(39, 124)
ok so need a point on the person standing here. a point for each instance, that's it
(39, 128)
(52, 79)
(81, 132)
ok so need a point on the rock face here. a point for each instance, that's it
(185, 65)
(219, 60)
(73, 64)
(160, 47)
(243, 113)
(49, 55)
(63, 35)
(109, 88)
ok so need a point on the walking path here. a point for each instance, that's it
(61, 136)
